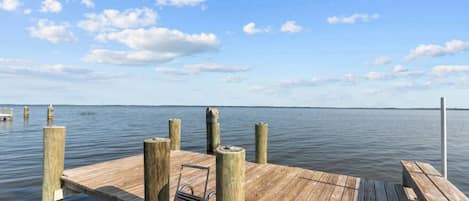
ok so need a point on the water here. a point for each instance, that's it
(359, 142)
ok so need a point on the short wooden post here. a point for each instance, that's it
(175, 133)
(156, 159)
(230, 173)
(53, 164)
(26, 112)
(261, 142)
(50, 113)
(213, 129)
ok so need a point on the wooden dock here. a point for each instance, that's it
(123, 179)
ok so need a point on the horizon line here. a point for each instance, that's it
(246, 106)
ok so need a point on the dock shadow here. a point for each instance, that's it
(114, 193)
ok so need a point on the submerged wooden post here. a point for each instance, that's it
(175, 133)
(261, 142)
(213, 129)
(230, 173)
(156, 153)
(53, 164)
(26, 112)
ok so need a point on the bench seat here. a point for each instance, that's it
(428, 184)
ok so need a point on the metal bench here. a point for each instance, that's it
(428, 184)
(181, 195)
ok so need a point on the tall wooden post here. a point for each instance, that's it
(261, 142)
(26, 112)
(213, 129)
(175, 133)
(156, 159)
(53, 164)
(230, 173)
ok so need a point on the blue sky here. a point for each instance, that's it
(353, 53)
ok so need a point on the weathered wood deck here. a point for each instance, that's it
(122, 179)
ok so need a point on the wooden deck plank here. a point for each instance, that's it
(446, 188)
(311, 184)
(370, 194)
(339, 189)
(380, 191)
(391, 193)
(122, 180)
(326, 193)
(298, 185)
(420, 183)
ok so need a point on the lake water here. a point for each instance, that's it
(359, 142)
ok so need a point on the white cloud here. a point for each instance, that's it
(110, 19)
(291, 26)
(179, 3)
(376, 76)
(105, 56)
(193, 69)
(52, 32)
(27, 11)
(9, 5)
(451, 47)
(251, 28)
(398, 72)
(233, 79)
(53, 6)
(442, 70)
(153, 45)
(362, 17)
(88, 3)
(381, 60)
(18, 67)
(399, 69)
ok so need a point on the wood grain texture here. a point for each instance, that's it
(213, 129)
(428, 184)
(175, 133)
(261, 130)
(230, 173)
(53, 160)
(156, 154)
(122, 179)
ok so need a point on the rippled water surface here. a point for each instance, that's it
(360, 142)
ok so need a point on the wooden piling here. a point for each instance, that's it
(156, 168)
(230, 173)
(175, 133)
(50, 113)
(261, 142)
(213, 129)
(53, 164)
(26, 112)
(11, 113)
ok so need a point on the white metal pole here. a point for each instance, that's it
(444, 156)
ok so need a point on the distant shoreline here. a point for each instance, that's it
(238, 106)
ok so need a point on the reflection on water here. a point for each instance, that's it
(366, 143)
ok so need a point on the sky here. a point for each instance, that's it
(349, 53)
